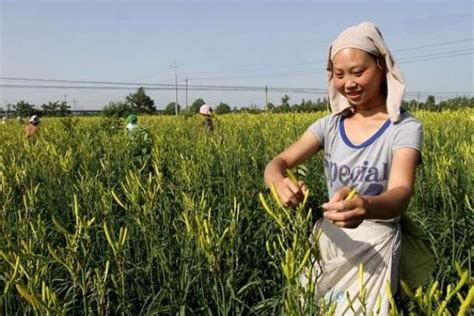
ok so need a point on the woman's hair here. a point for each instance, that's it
(380, 62)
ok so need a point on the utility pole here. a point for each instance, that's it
(418, 101)
(186, 81)
(7, 107)
(176, 87)
(266, 97)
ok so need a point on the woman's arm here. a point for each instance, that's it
(275, 172)
(401, 182)
(387, 205)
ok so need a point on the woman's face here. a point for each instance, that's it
(357, 76)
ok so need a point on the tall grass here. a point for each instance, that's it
(169, 222)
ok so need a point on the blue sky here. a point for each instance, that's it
(258, 43)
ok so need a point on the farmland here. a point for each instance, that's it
(170, 222)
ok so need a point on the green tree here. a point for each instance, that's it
(223, 108)
(50, 108)
(430, 101)
(141, 102)
(457, 103)
(284, 100)
(118, 109)
(64, 109)
(197, 104)
(270, 107)
(170, 109)
(60, 108)
(23, 108)
(285, 105)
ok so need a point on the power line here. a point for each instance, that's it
(424, 57)
(433, 58)
(322, 70)
(180, 87)
(150, 86)
(437, 54)
(87, 82)
(433, 45)
(161, 86)
(325, 61)
(251, 89)
(217, 78)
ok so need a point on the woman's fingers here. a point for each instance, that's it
(340, 194)
(290, 193)
(303, 187)
(348, 219)
(335, 215)
(340, 202)
(334, 206)
(341, 205)
(342, 212)
(347, 213)
(288, 197)
(295, 189)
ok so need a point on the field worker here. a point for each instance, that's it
(32, 127)
(132, 123)
(206, 111)
(369, 143)
(4, 120)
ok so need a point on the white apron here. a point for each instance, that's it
(376, 245)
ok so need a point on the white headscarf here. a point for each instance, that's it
(367, 37)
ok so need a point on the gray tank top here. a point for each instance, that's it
(367, 165)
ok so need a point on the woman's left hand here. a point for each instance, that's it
(347, 214)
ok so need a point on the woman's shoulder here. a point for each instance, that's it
(407, 120)
(328, 119)
(324, 126)
(407, 132)
(407, 117)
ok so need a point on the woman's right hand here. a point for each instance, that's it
(291, 194)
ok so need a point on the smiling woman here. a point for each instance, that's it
(371, 145)
(359, 77)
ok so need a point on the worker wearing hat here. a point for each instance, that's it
(206, 111)
(132, 121)
(32, 128)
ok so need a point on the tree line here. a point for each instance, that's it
(140, 103)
